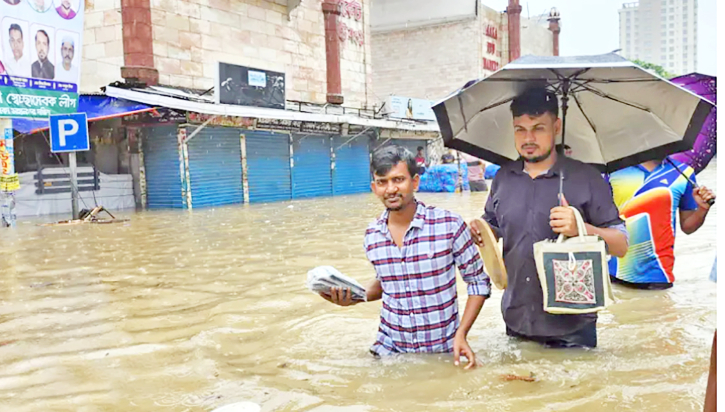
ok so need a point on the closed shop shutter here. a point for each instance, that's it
(161, 164)
(311, 172)
(215, 167)
(352, 165)
(268, 166)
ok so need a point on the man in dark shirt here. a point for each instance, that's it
(523, 208)
(42, 68)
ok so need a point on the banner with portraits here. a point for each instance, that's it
(40, 57)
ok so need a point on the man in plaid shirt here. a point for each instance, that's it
(415, 250)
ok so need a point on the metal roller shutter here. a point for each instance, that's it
(352, 165)
(215, 167)
(311, 171)
(161, 165)
(268, 166)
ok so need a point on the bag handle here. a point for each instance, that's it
(580, 225)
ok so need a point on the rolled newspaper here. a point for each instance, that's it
(322, 278)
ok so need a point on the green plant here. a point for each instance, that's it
(655, 68)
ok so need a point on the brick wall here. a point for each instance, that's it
(426, 62)
(191, 35)
(102, 44)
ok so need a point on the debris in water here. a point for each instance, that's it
(511, 377)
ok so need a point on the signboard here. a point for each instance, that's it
(352, 31)
(299, 126)
(161, 115)
(490, 65)
(279, 124)
(408, 108)
(491, 56)
(216, 120)
(246, 86)
(492, 31)
(40, 50)
(324, 128)
(69, 133)
(8, 178)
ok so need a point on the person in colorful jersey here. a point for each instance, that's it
(648, 197)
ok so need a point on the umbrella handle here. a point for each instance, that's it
(694, 185)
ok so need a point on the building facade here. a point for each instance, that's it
(427, 49)
(662, 32)
(178, 42)
(161, 139)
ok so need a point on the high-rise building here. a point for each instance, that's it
(662, 32)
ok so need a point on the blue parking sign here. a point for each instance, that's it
(69, 133)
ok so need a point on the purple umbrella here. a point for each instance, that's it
(705, 146)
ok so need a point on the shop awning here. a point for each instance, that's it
(97, 107)
(174, 99)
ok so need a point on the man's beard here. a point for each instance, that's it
(403, 203)
(538, 159)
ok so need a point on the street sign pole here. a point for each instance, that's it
(73, 184)
(69, 134)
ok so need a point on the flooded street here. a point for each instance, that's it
(178, 311)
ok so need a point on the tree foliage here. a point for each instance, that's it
(655, 68)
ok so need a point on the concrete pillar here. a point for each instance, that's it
(554, 27)
(513, 11)
(138, 53)
(332, 10)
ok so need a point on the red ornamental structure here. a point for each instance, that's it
(513, 12)
(332, 9)
(555, 28)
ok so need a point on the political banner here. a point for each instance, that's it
(40, 57)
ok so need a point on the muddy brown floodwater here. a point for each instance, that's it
(178, 311)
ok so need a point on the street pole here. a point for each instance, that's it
(73, 184)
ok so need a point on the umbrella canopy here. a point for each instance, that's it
(615, 113)
(705, 147)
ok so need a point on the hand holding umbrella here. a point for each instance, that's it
(700, 192)
(615, 113)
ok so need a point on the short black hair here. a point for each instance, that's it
(420, 148)
(17, 27)
(535, 102)
(386, 157)
(44, 34)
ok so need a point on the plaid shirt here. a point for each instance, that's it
(420, 302)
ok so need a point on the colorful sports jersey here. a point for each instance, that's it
(648, 202)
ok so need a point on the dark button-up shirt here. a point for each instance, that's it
(43, 70)
(518, 210)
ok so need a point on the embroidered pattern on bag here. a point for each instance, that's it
(574, 285)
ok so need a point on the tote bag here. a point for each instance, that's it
(573, 272)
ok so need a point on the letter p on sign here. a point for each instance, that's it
(69, 133)
(67, 127)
